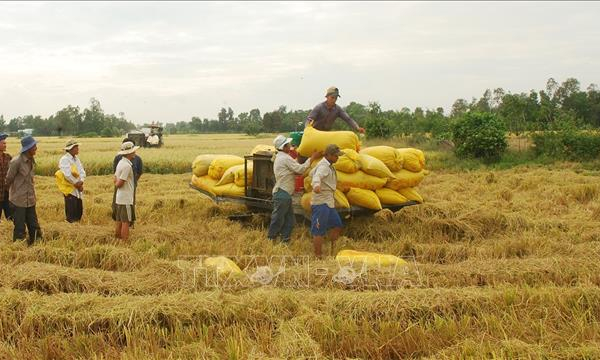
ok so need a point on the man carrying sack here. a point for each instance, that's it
(324, 217)
(70, 178)
(286, 169)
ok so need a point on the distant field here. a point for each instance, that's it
(175, 157)
(502, 264)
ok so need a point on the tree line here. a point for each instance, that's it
(71, 120)
(526, 111)
(535, 110)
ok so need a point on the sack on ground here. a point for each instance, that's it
(413, 159)
(363, 198)
(63, 184)
(222, 266)
(373, 166)
(390, 156)
(390, 197)
(360, 180)
(316, 140)
(205, 183)
(405, 179)
(201, 164)
(359, 258)
(349, 162)
(411, 194)
(220, 164)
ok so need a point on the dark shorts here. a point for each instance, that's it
(323, 219)
(123, 213)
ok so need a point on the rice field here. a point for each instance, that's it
(501, 264)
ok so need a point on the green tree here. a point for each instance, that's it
(479, 135)
(93, 118)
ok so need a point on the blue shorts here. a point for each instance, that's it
(323, 219)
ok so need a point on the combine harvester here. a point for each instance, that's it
(258, 195)
(404, 171)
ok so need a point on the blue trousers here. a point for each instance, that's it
(282, 218)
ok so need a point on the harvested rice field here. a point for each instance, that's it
(501, 264)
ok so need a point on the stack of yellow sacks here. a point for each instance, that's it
(375, 177)
(223, 175)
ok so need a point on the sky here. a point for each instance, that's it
(169, 61)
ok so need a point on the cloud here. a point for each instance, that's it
(181, 59)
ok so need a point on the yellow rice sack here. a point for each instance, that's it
(239, 175)
(229, 190)
(201, 164)
(373, 166)
(220, 164)
(390, 197)
(316, 140)
(222, 266)
(390, 156)
(413, 159)
(364, 198)
(405, 179)
(349, 162)
(235, 174)
(346, 181)
(411, 194)
(263, 148)
(63, 184)
(341, 202)
(368, 258)
(312, 166)
(305, 202)
(205, 183)
(359, 180)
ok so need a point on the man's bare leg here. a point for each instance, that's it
(125, 230)
(334, 234)
(318, 242)
(118, 230)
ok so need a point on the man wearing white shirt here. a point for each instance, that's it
(286, 169)
(324, 218)
(67, 164)
(124, 199)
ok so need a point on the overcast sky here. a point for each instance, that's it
(171, 61)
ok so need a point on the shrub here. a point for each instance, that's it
(567, 144)
(378, 127)
(252, 128)
(479, 135)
